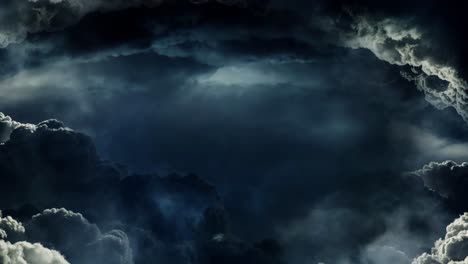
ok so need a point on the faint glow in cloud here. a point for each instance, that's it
(242, 75)
(432, 147)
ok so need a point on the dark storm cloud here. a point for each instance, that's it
(309, 124)
(288, 34)
(179, 29)
(7, 125)
(171, 219)
(396, 223)
(20, 18)
(221, 117)
(447, 179)
(79, 240)
(272, 106)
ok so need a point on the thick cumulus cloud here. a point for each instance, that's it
(68, 232)
(27, 253)
(453, 248)
(78, 239)
(34, 155)
(14, 250)
(10, 229)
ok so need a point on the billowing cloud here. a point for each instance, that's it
(72, 234)
(453, 248)
(447, 178)
(14, 250)
(78, 239)
(27, 253)
(10, 229)
(7, 125)
(400, 43)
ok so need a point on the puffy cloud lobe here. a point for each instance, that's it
(7, 125)
(27, 253)
(14, 250)
(78, 239)
(447, 178)
(396, 42)
(10, 229)
(71, 233)
(453, 248)
(43, 161)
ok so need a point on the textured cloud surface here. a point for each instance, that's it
(447, 178)
(10, 229)
(398, 42)
(79, 240)
(70, 233)
(453, 248)
(27, 253)
(13, 250)
(7, 125)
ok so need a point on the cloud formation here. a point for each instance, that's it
(7, 125)
(398, 42)
(20, 18)
(78, 239)
(70, 233)
(14, 250)
(10, 229)
(170, 219)
(450, 249)
(447, 178)
(27, 253)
